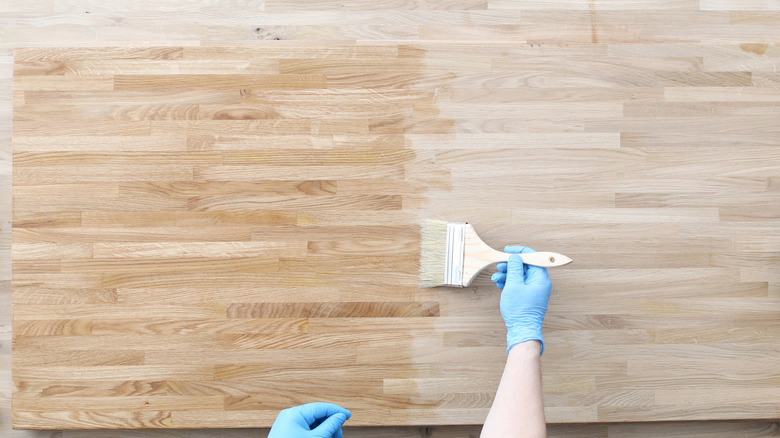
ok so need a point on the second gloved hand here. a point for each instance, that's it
(526, 291)
(312, 420)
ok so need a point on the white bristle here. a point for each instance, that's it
(433, 258)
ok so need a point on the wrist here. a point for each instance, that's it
(519, 335)
(526, 348)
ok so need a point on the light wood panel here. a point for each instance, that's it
(735, 38)
(288, 303)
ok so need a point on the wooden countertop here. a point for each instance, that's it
(203, 236)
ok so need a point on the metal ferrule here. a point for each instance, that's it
(453, 257)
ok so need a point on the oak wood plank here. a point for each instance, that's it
(200, 243)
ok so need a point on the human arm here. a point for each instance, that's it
(518, 409)
(312, 420)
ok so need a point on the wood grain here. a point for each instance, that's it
(220, 265)
(679, 245)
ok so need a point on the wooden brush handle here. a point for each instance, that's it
(478, 255)
(544, 259)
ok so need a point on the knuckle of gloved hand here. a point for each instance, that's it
(286, 413)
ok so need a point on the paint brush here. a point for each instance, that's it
(452, 254)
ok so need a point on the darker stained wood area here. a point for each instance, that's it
(171, 225)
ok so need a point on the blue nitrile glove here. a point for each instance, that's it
(312, 420)
(526, 291)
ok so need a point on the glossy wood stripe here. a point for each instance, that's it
(332, 310)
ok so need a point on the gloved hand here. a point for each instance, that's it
(526, 291)
(312, 420)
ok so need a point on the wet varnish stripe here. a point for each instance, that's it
(334, 310)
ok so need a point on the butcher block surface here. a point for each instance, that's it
(203, 236)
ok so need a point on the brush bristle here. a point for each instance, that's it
(433, 243)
